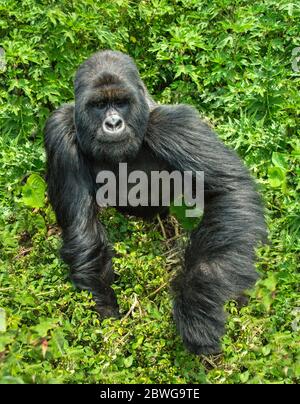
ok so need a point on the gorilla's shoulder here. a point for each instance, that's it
(61, 121)
(60, 127)
(180, 111)
(182, 119)
(64, 115)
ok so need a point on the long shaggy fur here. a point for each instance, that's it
(219, 260)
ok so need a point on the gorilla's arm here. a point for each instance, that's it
(220, 256)
(72, 195)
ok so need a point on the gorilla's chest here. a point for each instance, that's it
(131, 186)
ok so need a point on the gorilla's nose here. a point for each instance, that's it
(113, 124)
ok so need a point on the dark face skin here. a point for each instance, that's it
(111, 110)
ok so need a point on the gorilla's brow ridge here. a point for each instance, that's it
(106, 78)
(112, 92)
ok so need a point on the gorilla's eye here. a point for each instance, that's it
(101, 104)
(121, 103)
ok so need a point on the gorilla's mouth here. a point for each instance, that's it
(103, 137)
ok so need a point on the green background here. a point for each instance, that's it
(233, 60)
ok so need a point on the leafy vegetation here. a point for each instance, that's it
(232, 59)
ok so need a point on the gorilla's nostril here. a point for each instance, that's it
(109, 125)
(119, 123)
(113, 124)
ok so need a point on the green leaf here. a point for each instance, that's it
(5, 340)
(33, 192)
(138, 342)
(180, 212)
(244, 377)
(267, 301)
(58, 343)
(266, 350)
(280, 160)
(39, 222)
(128, 361)
(276, 177)
(271, 282)
(44, 326)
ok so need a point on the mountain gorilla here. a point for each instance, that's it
(114, 120)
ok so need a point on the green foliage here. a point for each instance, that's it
(34, 192)
(181, 213)
(233, 61)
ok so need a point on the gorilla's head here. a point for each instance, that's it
(111, 107)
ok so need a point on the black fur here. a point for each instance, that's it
(220, 256)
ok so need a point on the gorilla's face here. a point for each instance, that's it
(111, 111)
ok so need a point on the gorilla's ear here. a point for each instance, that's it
(150, 101)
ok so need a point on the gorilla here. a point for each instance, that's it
(115, 120)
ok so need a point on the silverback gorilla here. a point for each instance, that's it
(113, 120)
